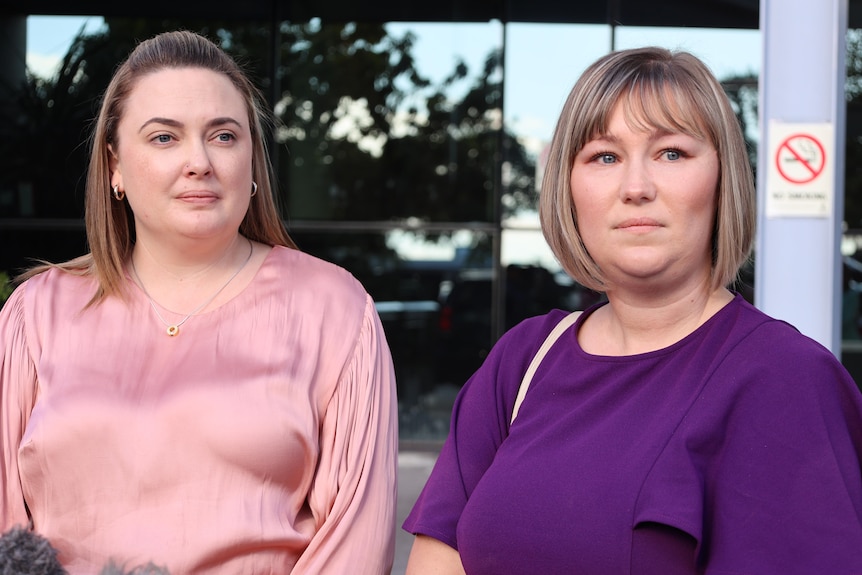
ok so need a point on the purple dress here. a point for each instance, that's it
(734, 451)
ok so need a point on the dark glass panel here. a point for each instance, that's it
(54, 241)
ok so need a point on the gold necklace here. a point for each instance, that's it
(174, 328)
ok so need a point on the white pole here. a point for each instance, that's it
(800, 176)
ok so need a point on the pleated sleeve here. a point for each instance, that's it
(353, 495)
(17, 396)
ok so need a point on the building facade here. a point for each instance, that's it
(408, 146)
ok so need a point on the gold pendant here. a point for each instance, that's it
(173, 330)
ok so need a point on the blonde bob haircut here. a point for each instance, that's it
(657, 90)
(109, 223)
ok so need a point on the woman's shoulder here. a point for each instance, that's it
(536, 328)
(41, 300)
(59, 284)
(767, 362)
(525, 338)
(767, 338)
(324, 294)
(311, 274)
(517, 346)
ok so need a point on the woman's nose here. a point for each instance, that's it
(637, 184)
(198, 161)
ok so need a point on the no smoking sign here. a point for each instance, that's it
(800, 180)
(800, 158)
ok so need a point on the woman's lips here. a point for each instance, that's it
(638, 223)
(198, 196)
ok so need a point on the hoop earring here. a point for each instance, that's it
(253, 189)
(118, 195)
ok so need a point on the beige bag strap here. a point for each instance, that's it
(555, 334)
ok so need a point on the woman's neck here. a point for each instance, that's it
(168, 263)
(179, 283)
(638, 322)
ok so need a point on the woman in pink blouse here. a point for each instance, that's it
(195, 392)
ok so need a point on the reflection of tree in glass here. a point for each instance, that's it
(360, 146)
(44, 126)
(742, 92)
(853, 160)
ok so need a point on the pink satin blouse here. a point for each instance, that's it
(261, 440)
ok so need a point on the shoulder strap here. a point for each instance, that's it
(558, 330)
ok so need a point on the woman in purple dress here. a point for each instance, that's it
(674, 429)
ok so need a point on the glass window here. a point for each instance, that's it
(388, 122)
(851, 245)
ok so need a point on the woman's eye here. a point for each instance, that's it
(162, 139)
(673, 155)
(225, 137)
(605, 158)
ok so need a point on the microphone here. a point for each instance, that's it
(24, 552)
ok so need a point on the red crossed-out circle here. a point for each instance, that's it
(795, 161)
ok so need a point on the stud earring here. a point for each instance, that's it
(253, 189)
(118, 195)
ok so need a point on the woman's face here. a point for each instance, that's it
(183, 155)
(645, 203)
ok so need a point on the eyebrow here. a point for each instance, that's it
(214, 123)
(655, 134)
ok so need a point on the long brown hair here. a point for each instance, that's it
(110, 223)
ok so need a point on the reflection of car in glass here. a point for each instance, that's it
(464, 324)
(410, 331)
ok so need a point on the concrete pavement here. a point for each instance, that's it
(413, 470)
